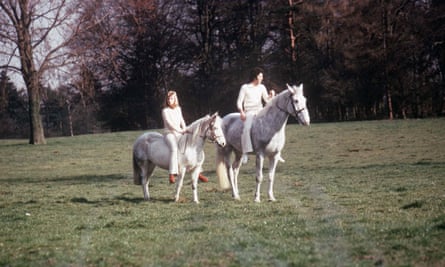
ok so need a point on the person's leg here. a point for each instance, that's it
(246, 142)
(173, 166)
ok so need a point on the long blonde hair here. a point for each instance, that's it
(175, 102)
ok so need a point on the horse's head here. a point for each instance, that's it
(296, 104)
(214, 131)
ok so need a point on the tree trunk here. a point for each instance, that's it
(70, 118)
(385, 58)
(37, 135)
(31, 78)
(291, 32)
(389, 99)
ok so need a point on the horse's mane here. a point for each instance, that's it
(273, 102)
(194, 128)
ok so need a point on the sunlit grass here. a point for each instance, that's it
(359, 193)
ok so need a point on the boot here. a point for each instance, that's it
(202, 178)
(172, 178)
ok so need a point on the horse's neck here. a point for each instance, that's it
(273, 120)
(194, 141)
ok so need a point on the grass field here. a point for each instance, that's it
(349, 194)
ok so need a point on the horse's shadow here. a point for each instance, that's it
(80, 180)
(76, 179)
(138, 200)
(121, 198)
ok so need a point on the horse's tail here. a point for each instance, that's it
(221, 169)
(137, 179)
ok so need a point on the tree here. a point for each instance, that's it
(34, 36)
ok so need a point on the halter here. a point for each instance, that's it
(293, 107)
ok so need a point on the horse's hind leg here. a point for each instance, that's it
(233, 170)
(146, 171)
(236, 168)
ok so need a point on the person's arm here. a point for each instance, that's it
(240, 102)
(264, 95)
(182, 122)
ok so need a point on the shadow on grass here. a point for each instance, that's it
(134, 200)
(81, 179)
(141, 200)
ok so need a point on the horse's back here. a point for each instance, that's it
(147, 138)
(151, 146)
(269, 143)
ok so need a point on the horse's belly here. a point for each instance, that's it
(161, 157)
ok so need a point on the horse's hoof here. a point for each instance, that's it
(237, 198)
(272, 200)
(257, 200)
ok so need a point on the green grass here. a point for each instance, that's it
(349, 194)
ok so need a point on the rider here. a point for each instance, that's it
(174, 127)
(249, 103)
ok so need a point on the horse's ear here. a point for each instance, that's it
(291, 88)
(300, 89)
(215, 114)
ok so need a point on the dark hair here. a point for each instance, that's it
(254, 73)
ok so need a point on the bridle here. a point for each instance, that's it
(296, 112)
(212, 136)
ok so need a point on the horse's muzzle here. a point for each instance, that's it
(221, 143)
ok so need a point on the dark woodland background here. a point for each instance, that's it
(358, 60)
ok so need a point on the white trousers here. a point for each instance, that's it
(172, 142)
(246, 142)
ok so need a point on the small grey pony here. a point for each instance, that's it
(151, 150)
(267, 135)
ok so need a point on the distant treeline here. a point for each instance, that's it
(358, 60)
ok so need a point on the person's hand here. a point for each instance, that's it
(242, 115)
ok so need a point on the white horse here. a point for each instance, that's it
(151, 150)
(267, 135)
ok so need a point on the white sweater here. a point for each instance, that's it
(173, 120)
(250, 96)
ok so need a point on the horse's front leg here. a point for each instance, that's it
(195, 175)
(272, 167)
(179, 183)
(259, 175)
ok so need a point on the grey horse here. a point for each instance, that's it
(151, 150)
(267, 135)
